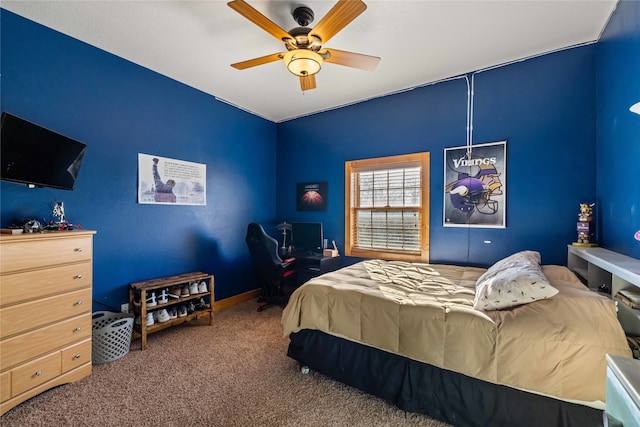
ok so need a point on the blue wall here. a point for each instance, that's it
(618, 130)
(544, 107)
(119, 110)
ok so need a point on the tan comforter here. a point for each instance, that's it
(556, 347)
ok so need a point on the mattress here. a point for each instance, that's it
(554, 347)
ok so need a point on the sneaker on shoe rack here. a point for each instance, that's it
(174, 292)
(202, 287)
(173, 313)
(151, 301)
(162, 299)
(200, 305)
(184, 291)
(191, 307)
(136, 299)
(163, 316)
(193, 288)
(150, 319)
(155, 316)
(182, 311)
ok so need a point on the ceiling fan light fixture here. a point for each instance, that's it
(303, 62)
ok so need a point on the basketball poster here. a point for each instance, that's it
(312, 196)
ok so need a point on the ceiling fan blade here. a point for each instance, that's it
(257, 61)
(350, 59)
(244, 9)
(308, 82)
(337, 18)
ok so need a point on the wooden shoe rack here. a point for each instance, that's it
(140, 291)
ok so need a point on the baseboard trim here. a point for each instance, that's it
(235, 300)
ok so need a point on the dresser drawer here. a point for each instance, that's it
(20, 348)
(76, 355)
(35, 373)
(29, 315)
(5, 386)
(26, 254)
(29, 285)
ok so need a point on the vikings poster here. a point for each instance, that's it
(475, 186)
(312, 196)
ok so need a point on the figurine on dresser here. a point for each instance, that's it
(585, 227)
(61, 223)
(58, 212)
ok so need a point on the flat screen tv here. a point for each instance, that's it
(306, 236)
(38, 157)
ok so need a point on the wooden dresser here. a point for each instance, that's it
(45, 312)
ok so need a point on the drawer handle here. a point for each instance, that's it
(78, 329)
(77, 356)
(79, 302)
(39, 374)
(78, 249)
(78, 276)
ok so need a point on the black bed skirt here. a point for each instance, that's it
(444, 395)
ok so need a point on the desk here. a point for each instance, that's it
(312, 265)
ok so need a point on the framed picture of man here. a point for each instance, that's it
(169, 181)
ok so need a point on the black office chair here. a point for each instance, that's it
(276, 276)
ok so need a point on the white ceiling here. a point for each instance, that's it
(419, 41)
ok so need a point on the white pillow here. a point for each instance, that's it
(514, 280)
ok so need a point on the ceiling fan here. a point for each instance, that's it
(305, 53)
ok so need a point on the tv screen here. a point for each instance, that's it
(306, 236)
(33, 155)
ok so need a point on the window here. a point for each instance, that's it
(387, 208)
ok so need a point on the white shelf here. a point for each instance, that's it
(623, 266)
(597, 266)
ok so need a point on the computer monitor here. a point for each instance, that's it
(306, 237)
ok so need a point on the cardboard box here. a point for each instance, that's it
(330, 253)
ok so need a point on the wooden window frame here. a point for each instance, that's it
(405, 160)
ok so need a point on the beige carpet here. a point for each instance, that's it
(235, 373)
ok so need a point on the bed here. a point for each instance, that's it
(515, 344)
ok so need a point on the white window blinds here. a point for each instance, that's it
(387, 212)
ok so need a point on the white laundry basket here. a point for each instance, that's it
(111, 336)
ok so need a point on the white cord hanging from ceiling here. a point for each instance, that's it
(470, 90)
